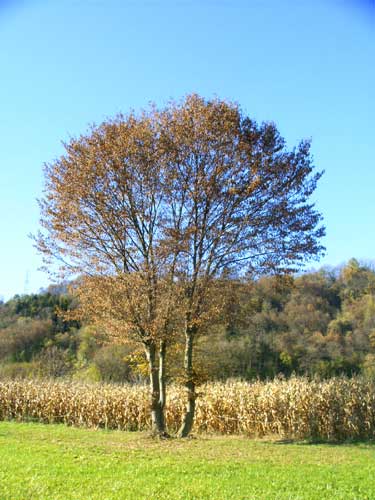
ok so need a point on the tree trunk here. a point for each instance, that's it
(157, 411)
(162, 382)
(188, 418)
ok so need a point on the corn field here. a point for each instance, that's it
(336, 409)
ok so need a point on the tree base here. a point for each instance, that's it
(160, 435)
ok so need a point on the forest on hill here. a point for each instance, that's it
(316, 324)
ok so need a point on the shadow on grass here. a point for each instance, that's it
(327, 442)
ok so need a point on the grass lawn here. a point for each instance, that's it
(54, 462)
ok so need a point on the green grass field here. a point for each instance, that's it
(54, 462)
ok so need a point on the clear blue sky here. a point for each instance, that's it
(308, 66)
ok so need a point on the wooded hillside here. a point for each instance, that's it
(319, 323)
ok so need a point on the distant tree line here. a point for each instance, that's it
(317, 324)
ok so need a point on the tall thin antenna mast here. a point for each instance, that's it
(26, 284)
